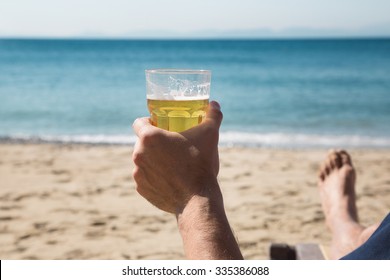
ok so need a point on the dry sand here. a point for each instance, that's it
(79, 202)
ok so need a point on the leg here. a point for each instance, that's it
(337, 190)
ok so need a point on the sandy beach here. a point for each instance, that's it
(79, 201)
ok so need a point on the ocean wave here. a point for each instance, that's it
(72, 139)
(233, 138)
(227, 138)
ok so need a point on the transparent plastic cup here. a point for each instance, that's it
(177, 98)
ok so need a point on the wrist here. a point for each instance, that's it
(204, 206)
(205, 230)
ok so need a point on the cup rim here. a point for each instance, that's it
(177, 71)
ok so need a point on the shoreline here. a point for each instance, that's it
(78, 201)
(227, 139)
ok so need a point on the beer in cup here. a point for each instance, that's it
(177, 98)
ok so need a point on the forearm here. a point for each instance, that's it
(205, 230)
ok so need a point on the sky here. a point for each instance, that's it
(195, 18)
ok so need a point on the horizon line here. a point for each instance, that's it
(206, 38)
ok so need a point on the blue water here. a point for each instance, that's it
(272, 92)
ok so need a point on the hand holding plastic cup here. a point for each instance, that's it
(177, 98)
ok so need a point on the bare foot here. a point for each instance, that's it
(337, 189)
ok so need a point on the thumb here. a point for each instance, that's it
(214, 114)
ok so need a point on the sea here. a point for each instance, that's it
(273, 93)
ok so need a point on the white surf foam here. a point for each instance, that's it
(233, 138)
(227, 138)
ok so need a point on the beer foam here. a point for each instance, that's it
(176, 97)
(178, 89)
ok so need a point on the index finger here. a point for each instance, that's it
(141, 125)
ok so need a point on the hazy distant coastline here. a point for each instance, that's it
(372, 31)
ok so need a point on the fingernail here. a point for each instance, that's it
(215, 105)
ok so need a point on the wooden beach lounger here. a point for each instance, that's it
(301, 251)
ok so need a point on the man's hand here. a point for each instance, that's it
(170, 167)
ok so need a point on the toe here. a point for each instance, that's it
(321, 175)
(332, 160)
(329, 165)
(345, 157)
(321, 170)
(336, 159)
(327, 170)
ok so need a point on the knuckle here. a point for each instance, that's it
(136, 174)
(139, 180)
(146, 136)
(141, 191)
(138, 158)
(210, 130)
(141, 132)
